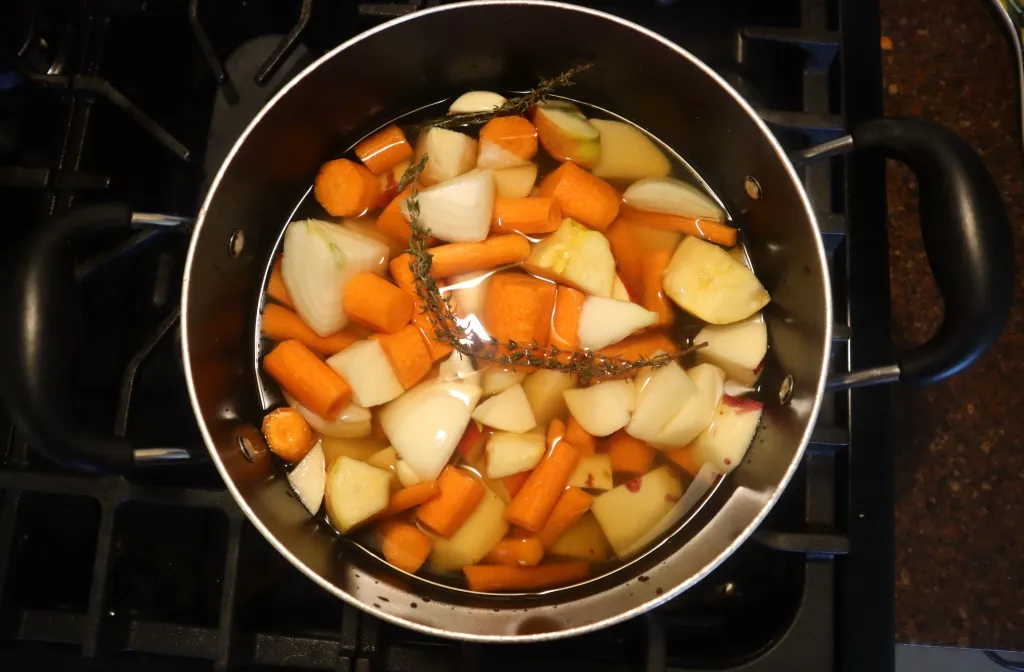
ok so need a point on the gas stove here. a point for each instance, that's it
(133, 102)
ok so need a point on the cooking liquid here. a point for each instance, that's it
(682, 330)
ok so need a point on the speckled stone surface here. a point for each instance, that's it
(959, 445)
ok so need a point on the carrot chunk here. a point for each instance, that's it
(288, 434)
(493, 578)
(345, 188)
(384, 150)
(456, 258)
(570, 507)
(518, 308)
(556, 432)
(642, 345)
(513, 134)
(653, 294)
(629, 259)
(460, 493)
(375, 303)
(407, 353)
(411, 497)
(532, 505)
(684, 458)
(630, 455)
(516, 552)
(304, 376)
(589, 200)
(711, 230)
(276, 288)
(405, 546)
(281, 324)
(435, 348)
(583, 442)
(534, 214)
(514, 483)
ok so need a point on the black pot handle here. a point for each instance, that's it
(38, 345)
(967, 238)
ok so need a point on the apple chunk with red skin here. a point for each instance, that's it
(725, 442)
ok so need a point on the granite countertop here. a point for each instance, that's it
(959, 459)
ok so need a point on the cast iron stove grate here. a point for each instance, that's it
(128, 101)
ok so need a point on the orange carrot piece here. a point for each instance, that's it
(532, 505)
(304, 376)
(384, 150)
(556, 432)
(276, 288)
(375, 303)
(642, 345)
(516, 552)
(566, 320)
(402, 274)
(630, 455)
(629, 258)
(684, 458)
(407, 353)
(582, 441)
(460, 493)
(405, 546)
(288, 434)
(456, 258)
(653, 294)
(391, 220)
(533, 214)
(518, 308)
(493, 578)
(570, 507)
(436, 349)
(589, 200)
(410, 497)
(711, 230)
(281, 324)
(513, 134)
(514, 483)
(345, 188)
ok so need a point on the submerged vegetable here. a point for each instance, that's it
(576, 256)
(706, 282)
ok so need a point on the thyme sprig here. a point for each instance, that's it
(587, 365)
(519, 104)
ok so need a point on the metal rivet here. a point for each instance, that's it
(786, 390)
(237, 243)
(245, 445)
(752, 187)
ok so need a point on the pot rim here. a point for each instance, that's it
(669, 593)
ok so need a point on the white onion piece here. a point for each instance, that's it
(406, 476)
(352, 423)
(606, 321)
(496, 380)
(672, 197)
(459, 210)
(308, 479)
(319, 260)
(476, 101)
(603, 408)
(425, 424)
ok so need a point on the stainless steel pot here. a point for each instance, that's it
(444, 51)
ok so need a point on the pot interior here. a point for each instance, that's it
(438, 54)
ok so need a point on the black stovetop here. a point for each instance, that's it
(120, 101)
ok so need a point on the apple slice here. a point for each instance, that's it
(508, 411)
(576, 256)
(619, 291)
(308, 479)
(386, 459)
(544, 389)
(354, 421)
(355, 492)
(472, 102)
(493, 155)
(458, 367)
(706, 282)
(606, 321)
(425, 424)
(459, 210)
(627, 153)
(482, 530)
(357, 449)
(725, 442)
(602, 409)
(565, 133)
(695, 414)
(509, 454)
(449, 153)
(672, 197)
(496, 380)
(630, 510)
(659, 395)
(593, 472)
(368, 372)
(738, 349)
(515, 182)
(584, 540)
